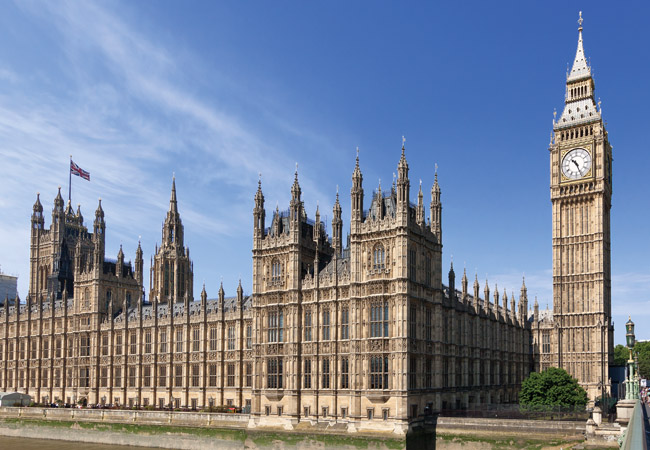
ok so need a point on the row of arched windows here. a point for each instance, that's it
(578, 132)
(578, 91)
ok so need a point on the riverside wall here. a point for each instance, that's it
(423, 434)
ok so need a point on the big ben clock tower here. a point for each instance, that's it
(581, 193)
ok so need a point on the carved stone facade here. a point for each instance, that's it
(85, 332)
(578, 334)
(368, 332)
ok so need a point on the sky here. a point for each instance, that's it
(216, 93)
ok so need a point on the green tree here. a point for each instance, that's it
(643, 348)
(621, 355)
(552, 387)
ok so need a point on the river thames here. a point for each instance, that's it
(18, 443)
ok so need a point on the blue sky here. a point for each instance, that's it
(217, 92)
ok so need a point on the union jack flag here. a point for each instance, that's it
(78, 171)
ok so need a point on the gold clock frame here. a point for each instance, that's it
(563, 153)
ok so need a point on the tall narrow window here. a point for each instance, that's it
(147, 341)
(412, 270)
(413, 329)
(249, 374)
(118, 343)
(427, 324)
(103, 379)
(413, 373)
(379, 320)
(307, 374)
(546, 343)
(249, 336)
(195, 339)
(133, 344)
(162, 376)
(132, 376)
(231, 375)
(195, 375)
(276, 271)
(378, 261)
(379, 372)
(345, 321)
(213, 338)
(46, 349)
(163, 341)
(274, 373)
(84, 349)
(178, 375)
(231, 337)
(117, 380)
(427, 374)
(326, 374)
(212, 380)
(307, 326)
(427, 268)
(179, 341)
(146, 379)
(275, 327)
(326, 325)
(345, 373)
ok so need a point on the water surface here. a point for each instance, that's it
(18, 443)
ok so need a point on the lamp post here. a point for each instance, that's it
(632, 382)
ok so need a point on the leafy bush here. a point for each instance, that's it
(552, 387)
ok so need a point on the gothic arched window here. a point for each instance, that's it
(276, 271)
(379, 257)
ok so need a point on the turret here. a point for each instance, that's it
(452, 283)
(356, 194)
(38, 222)
(436, 209)
(99, 231)
(523, 302)
(403, 184)
(337, 227)
(139, 265)
(420, 210)
(496, 298)
(295, 204)
(317, 227)
(69, 213)
(505, 301)
(79, 216)
(536, 311)
(486, 297)
(222, 305)
(120, 263)
(240, 296)
(464, 285)
(513, 307)
(204, 300)
(173, 226)
(476, 290)
(259, 215)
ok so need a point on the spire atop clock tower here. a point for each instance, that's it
(580, 106)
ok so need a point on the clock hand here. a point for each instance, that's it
(574, 162)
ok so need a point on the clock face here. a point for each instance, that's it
(576, 163)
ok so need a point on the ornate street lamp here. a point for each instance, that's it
(632, 382)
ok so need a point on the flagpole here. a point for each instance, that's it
(70, 180)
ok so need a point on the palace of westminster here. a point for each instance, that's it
(362, 332)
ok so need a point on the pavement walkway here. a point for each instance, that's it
(646, 417)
